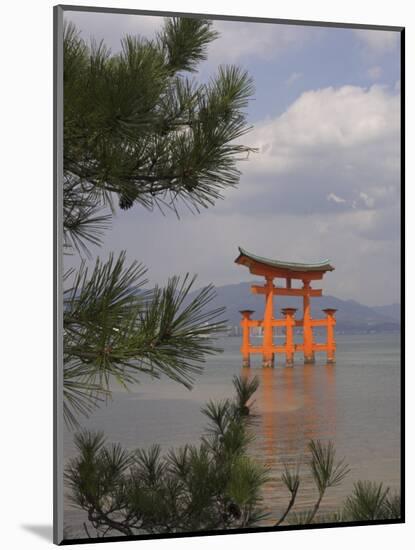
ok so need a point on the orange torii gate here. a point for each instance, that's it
(274, 269)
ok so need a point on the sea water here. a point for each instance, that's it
(354, 403)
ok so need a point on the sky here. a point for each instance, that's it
(325, 182)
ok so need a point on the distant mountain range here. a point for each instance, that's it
(351, 316)
(393, 311)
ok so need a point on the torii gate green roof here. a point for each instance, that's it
(290, 266)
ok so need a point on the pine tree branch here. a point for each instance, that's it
(292, 482)
(114, 329)
(137, 127)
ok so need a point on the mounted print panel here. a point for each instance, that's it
(228, 275)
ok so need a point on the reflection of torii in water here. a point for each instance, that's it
(274, 269)
(294, 406)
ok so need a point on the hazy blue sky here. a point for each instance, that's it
(326, 180)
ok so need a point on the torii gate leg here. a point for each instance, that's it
(331, 342)
(289, 336)
(268, 340)
(246, 345)
(307, 329)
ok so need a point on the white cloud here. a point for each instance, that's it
(321, 123)
(331, 164)
(362, 200)
(376, 41)
(367, 200)
(260, 40)
(335, 198)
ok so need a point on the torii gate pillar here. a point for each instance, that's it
(307, 328)
(268, 341)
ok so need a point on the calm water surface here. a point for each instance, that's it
(355, 403)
